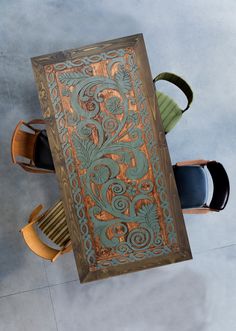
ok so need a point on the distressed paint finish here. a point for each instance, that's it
(112, 163)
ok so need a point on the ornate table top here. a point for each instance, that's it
(111, 158)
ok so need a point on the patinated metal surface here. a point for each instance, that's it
(111, 158)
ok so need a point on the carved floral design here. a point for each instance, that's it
(129, 198)
(114, 105)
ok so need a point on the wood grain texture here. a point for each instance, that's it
(121, 63)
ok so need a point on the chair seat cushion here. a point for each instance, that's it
(42, 155)
(192, 186)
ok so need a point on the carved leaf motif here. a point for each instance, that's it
(101, 175)
(125, 157)
(148, 214)
(114, 105)
(72, 78)
(123, 79)
(85, 150)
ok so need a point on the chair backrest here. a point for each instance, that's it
(170, 112)
(221, 185)
(53, 224)
(23, 145)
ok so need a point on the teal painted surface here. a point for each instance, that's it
(117, 197)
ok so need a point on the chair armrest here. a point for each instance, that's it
(33, 169)
(35, 121)
(33, 216)
(192, 162)
(179, 82)
(198, 210)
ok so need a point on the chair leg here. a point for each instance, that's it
(56, 256)
(67, 249)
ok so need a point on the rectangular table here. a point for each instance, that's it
(111, 158)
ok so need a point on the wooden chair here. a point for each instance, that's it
(52, 224)
(170, 112)
(192, 185)
(33, 146)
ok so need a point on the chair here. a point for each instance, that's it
(170, 112)
(33, 146)
(51, 224)
(192, 185)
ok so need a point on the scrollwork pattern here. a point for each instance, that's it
(109, 139)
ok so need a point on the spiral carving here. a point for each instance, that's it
(140, 238)
(109, 124)
(118, 187)
(123, 248)
(120, 203)
(119, 230)
(146, 186)
(100, 174)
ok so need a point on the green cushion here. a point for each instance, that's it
(170, 111)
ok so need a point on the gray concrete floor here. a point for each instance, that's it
(196, 39)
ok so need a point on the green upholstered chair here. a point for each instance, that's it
(171, 113)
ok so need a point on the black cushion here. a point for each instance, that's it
(191, 183)
(42, 155)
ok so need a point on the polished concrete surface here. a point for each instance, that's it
(195, 39)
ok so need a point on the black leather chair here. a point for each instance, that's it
(191, 181)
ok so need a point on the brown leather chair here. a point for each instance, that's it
(31, 144)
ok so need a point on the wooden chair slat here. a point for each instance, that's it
(54, 236)
(54, 227)
(57, 228)
(63, 237)
(48, 218)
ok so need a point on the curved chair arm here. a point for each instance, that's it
(198, 210)
(33, 216)
(34, 170)
(21, 122)
(37, 246)
(35, 121)
(221, 185)
(192, 162)
(180, 83)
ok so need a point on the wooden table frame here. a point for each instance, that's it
(54, 77)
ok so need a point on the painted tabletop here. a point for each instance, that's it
(111, 158)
